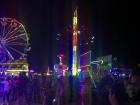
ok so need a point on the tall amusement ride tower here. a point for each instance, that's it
(75, 32)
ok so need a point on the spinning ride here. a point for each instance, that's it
(60, 68)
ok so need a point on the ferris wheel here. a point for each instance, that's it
(14, 40)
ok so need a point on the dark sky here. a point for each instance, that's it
(112, 22)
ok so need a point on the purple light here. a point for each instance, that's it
(57, 39)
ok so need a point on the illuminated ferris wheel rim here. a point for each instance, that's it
(13, 38)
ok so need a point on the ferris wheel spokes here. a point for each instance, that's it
(4, 23)
(17, 51)
(3, 31)
(12, 33)
(8, 53)
(17, 43)
(9, 28)
(10, 39)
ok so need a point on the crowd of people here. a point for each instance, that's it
(113, 90)
(68, 90)
(21, 89)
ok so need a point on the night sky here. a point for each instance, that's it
(112, 22)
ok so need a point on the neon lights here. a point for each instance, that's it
(75, 19)
(48, 72)
(75, 31)
(75, 48)
(17, 70)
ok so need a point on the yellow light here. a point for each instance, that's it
(74, 33)
(74, 70)
(48, 73)
(74, 20)
(74, 48)
(16, 70)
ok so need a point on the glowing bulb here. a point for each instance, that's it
(78, 32)
(93, 37)
(92, 41)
